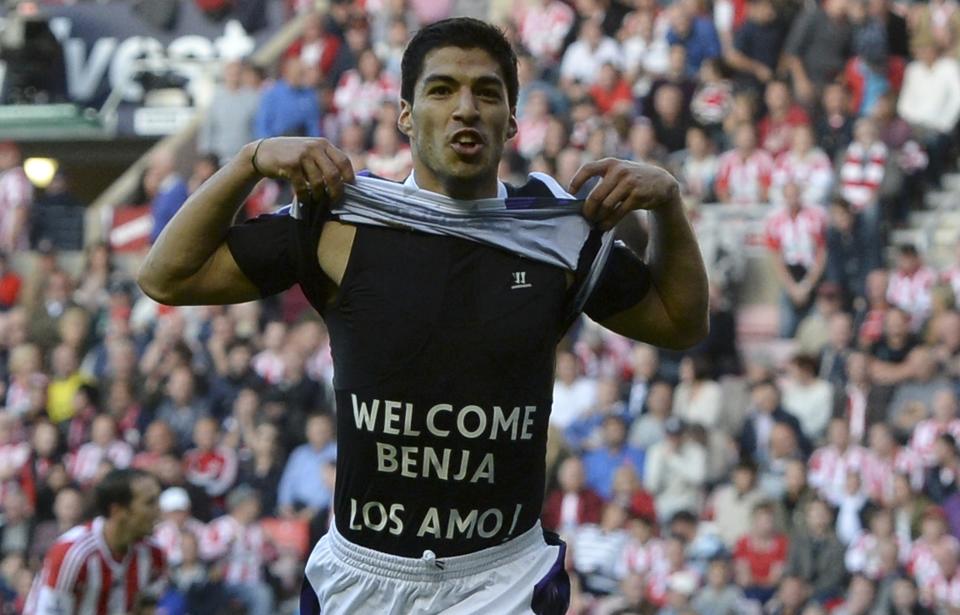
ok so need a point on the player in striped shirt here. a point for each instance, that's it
(107, 566)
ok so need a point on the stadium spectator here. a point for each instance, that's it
(760, 555)
(176, 523)
(849, 257)
(602, 462)
(16, 198)
(288, 107)
(237, 540)
(210, 465)
(776, 129)
(573, 395)
(582, 60)
(733, 504)
(816, 555)
(796, 239)
(943, 474)
(911, 285)
(181, 407)
(104, 446)
(696, 166)
(697, 398)
(318, 47)
(596, 549)
(389, 158)
(544, 26)
(170, 190)
(757, 44)
(646, 52)
(302, 491)
(804, 164)
(695, 32)
(764, 411)
(807, 397)
(361, 92)
(744, 173)
(930, 101)
(68, 512)
(228, 125)
(572, 504)
(263, 468)
(826, 334)
(817, 47)
(675, 471)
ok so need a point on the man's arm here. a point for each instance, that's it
(190, 262)
(674, 313)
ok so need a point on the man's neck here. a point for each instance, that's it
(117, 544)
(424, 179)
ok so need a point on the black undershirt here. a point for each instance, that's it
(444, 363)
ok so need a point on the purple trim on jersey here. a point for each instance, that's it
(551, 594)
(309, 603)
(536, 202)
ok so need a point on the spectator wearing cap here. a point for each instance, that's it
(691, 29)
(288, 107)
(239, 541)
(16, 198)
(596, 549)
(816, 555)
(807, 397)
(796, 241)
(601, 463)
(930, 101)
(572, 504)
(732, 504)
(675, 471)
(175, 521)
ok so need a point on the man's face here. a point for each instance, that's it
(144, 511)
(458, 122)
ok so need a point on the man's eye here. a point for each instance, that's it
(494, 94)
(440, 90)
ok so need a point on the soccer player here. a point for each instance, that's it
(443, 347)
(106, 566)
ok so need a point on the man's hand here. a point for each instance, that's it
(312, 166)
(625, 187)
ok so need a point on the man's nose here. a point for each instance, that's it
(466, 110)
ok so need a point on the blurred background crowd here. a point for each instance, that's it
(802, 460)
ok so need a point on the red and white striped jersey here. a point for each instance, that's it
(811, 171)
(81, 577)
(925, 435)
(796, 238)
(658, 581)
(83, 464)
(215, 471)
(359, 101)
(543, 28)
(244, 549)
(828, 468)
(16, 192)
(861, 173)
(863, 556)
(640, 558)
(745, 180)
(912, 292)
(921, 562)
(940, 592)
(878, 472)
(168, 537)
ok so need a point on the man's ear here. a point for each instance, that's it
(512, 124)
(405, 120)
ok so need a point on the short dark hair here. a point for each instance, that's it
(117, 488)
(465, 33)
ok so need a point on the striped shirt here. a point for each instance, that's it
(745, 180)
(15, 192)
(169, 537)
(83, 464)
(796, 238)
(912, 292)
(244, 549)
(80, 576)
(829, 466)
(861, 174)
(925, 435)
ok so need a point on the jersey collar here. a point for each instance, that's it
(410, 182)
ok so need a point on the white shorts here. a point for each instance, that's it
(523, 576)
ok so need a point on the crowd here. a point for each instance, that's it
(719, 481)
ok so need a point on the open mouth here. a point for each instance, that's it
(467, 143)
